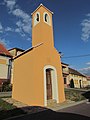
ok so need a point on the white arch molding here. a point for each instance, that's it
(49, 21)
(35, 21)
(54, 84)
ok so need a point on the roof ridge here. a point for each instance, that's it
(39, 7)
(77, 72)
(28, 50)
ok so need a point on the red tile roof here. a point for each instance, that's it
(4, 51)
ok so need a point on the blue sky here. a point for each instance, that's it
(71, 22)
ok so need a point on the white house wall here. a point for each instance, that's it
(76, 80)
(4, 62)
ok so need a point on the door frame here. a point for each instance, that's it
(54, 84)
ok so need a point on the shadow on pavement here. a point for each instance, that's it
(87, 95)
(5, 114)
(48, 114)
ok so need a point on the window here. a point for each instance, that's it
(46, 18)
(65, 81)
(36, 18)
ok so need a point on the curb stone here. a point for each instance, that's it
(67, 105)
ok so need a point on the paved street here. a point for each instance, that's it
(50, 115)
(77, 112)
(82, 109)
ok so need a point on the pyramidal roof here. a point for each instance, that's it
(39, 7)
(4, 51)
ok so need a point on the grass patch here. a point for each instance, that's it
(8, 110)
(5, 106)
(74, 95)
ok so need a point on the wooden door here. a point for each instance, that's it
(49, 84)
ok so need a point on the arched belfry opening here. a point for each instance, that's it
(50, 84)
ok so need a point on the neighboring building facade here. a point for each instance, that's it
(88, 79)
(5, 65)
(37, 75)
(65, 71)
(76, 79)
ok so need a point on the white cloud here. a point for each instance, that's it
(88, 63)
(1, 28)
(23, 24)
(86, 28)
(26, 28)
(10, 4)
(4, 42)
(23, 28)
(22, 34)
(19, 23)
(9, 29)
(88, 14)
(2, 3)
(28, 39)
(20, 13)
(17, 30)
(85, 70)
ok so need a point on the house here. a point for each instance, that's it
(5, 65)
(77, 79)
(14, 52)
(65, 72)
(37, 72)
(88, 79)
(72, 78)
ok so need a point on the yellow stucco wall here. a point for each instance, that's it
(42, 32)
(28, 82)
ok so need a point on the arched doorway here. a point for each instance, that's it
(71, 83)
(50, 84)
(80, 83)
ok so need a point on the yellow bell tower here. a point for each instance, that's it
(44, 81)
(42, 27)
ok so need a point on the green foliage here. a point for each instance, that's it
(74, 95)
(7, 110)
(6, 87)
(5, 106)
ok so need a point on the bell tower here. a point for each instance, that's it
(42, 27)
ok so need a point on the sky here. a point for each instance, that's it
(71, 23)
